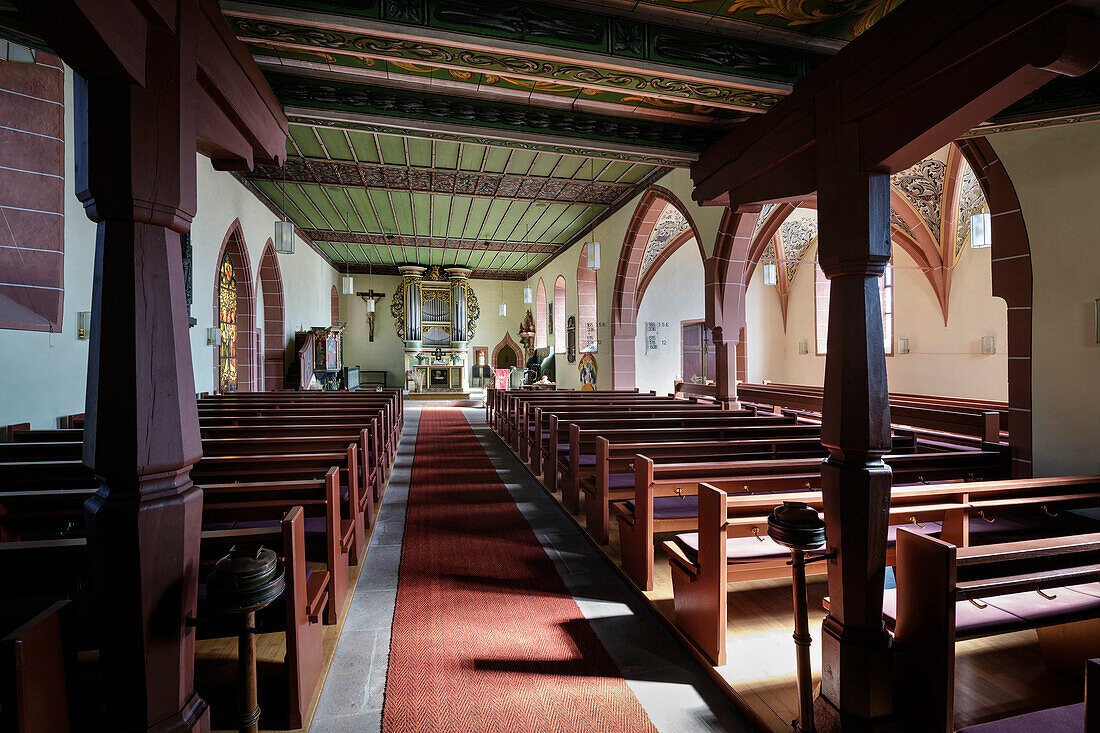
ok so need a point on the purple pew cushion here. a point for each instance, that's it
(588, 460)
(673, 507)
(621, 481)
(1067, 719)
(1034, 607)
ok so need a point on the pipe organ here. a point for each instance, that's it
(435, 313)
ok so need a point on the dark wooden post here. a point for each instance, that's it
(854, 249)
(136, 177)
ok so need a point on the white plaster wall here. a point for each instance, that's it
(44, 376)
(386, 352)
(1056, 174)
(943, 360)
(675, 294)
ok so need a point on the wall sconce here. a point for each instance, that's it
(771, 273)
(83, 325)
(347, 285)
(981, 231)
(592, 252)
(284, 237)
(989, 346)
(803, 347)
(527, 297)
(903, 346)
(213, 336)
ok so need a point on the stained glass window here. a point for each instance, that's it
(227, 323)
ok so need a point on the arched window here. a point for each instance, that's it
(227, 324)
(558, 317)
(335, 307)
(274, 341)
(540, 316)
(588, 338)
(821, 309)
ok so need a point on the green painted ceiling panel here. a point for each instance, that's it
(306, 141)
(363, 207)
(446, 154)
(339, 197)
(478, 207)
(553, 234)
(366, 149)
(546, 221)
(320, 200)
(441, 215)
(521, 162)
(528, 221)
(335, 143)
(275, 193)
(382, 207)
(420, 152)
(613, 171)
(496, 159)
(492, 218)
(506, 232)
(303, 202)
(451, 256)
(579, 223)
(472, 157)
(571, 167)
(460, 209)
(636, 173)
(403, 207)
(422, 214)
(545, 164)
(393, 149)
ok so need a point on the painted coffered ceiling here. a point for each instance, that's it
(493, 134)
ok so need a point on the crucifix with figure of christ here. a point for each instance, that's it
(370, 298)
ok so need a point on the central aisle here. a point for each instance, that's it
(486, 636)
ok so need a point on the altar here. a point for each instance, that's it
(441, 377)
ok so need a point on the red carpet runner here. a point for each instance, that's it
(485, 635)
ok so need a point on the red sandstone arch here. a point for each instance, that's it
(559, 315)
(507, 343)
(274, 340)
(629, 286)
(1011, 282)
(234, 245)
(587, 304)
(335, 303)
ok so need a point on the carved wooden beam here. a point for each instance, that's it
(925, 74)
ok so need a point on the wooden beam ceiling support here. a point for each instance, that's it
(443, 182)
(924, 75)
(399, 240)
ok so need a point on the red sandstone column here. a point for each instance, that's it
(136, 176)
(854, 249)
(725, 365)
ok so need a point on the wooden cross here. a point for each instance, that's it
(369, 296)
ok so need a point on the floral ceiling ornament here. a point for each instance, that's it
(670, 224)
(765, 212)
(897, 221)
(922, 185)
(796, 236)
(808, 12)
(971, 201)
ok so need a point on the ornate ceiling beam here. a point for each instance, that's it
(446, 182)
(475, 274)
(408, 240)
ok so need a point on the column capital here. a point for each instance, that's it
(412, 270)
(458, 273)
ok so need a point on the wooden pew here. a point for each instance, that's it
(731, 544)
(60, 568)
(43, 497)
(34, 671)
(666, 494)
(1083, 716)
(507, 401)
(580, 460)
(612, 477)
(946, 594)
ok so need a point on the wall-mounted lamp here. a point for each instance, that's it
(903, 346)
(347, 285)
(989, 346)
(803, 347)
(213, 336)
(83, 325)
(592, 253)
(771, 273)
(284, 237)
(981, 231)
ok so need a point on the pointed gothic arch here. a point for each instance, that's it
(274, 337)
(234, 251)
(540, 316)
(507, 343)
(560, 341)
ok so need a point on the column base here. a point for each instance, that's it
(194, 717)
(828, 719)
(856, 682)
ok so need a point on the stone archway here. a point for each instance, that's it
(234, 247)
(505, 347)
(630, 281)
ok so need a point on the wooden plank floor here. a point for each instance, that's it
(995, 677)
